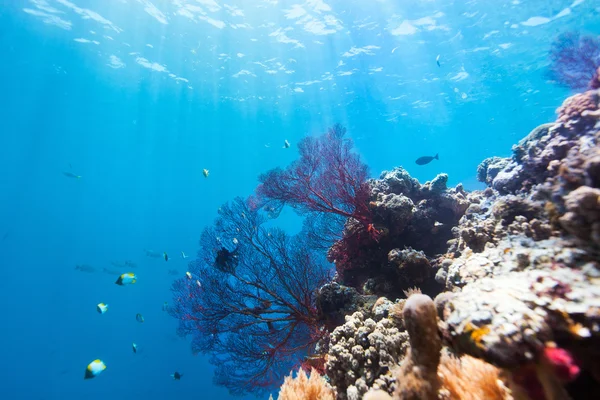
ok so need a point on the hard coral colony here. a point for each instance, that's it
(514, 271)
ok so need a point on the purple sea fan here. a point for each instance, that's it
(254, 310)
(574, 60)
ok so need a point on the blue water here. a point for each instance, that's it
(85, 88)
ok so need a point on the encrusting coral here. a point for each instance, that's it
(304, 387)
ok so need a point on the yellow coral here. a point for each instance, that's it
(477, 334)
(306, 388)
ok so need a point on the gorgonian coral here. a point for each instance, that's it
(574, 60)
(249, 300)
(328, 182)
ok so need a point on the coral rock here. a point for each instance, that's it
(361, 354)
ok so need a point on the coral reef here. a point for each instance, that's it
(414, 223)
(304, 387)
(520, 265)
(525, 277)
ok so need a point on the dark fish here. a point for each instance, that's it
(111, 271)
(176, 375)
(153, 254)
(71, 175)
(166, 256)
(139, 318)
(426, 159)
(85, 268)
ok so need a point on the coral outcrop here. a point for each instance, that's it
(525, 278)
(515, 267)
(414, 222)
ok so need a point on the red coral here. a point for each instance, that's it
(328, 178)
(563, 364)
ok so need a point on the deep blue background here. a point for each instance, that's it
(140, 140)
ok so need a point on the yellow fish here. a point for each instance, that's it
(189, 275)
(94, 369)
(102, 308)
(126, 279)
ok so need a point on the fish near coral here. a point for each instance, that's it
(426, 159)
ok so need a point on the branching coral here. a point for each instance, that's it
(574, 60)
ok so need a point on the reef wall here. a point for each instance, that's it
(514, 269)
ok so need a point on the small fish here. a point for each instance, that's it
(165, 256)
(110, 271)
(71, 175)
(152, 253)
(436, 227)
(176, 375)
(507, 250)
(205, 172)
(139, 318)
(437, 61)
(102, 308)
(426, 159)
(183, 255)
(286, 144)
(134, 348)
(130, 264)
(235, 241)
(188, 274)
(126, 279)
(198, 283)
(94, 369)
(165, 306)
(85, 268)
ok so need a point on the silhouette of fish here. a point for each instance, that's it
(85, 268)
(426, 159)
(111, 271)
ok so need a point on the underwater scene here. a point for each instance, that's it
(300, 199)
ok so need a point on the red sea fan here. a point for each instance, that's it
(329, 178)
(574, 60)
